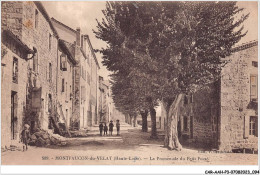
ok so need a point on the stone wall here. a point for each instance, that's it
(20, 19)
(235, 99)
(200, 109)
(39, 38)
(11, 17)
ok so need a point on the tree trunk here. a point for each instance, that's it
(144, 121)
(130, 120)
(135, 121)
(171, 140)
(153, 123)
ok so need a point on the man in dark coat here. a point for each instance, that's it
(105, 129)
(101, 129)
(118, 127)
(111, 125)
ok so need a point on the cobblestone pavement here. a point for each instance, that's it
(132, 147)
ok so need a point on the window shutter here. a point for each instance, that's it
(246, 127)
(63, 62)
(62, 85)
(253, 87)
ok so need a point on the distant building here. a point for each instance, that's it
(225, 116)
(103, 109)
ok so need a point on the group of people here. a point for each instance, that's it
(110, 127)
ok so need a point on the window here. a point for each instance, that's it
(253, 87)
(63, 62)
(253, 128)
(35, 62)
(81, 71)
(15, 70)
(255, 63)
(50, 41)
(50, 72)
(62, 85)
(88, 79)
(36, 19)
(66, 91)
(70, 93)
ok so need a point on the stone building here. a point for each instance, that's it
(65, 81)
(34, 103)
(85, 76)
(103, 108)
(14, 63)
(92, 81)
(224, 116)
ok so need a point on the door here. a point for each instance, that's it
(50, 111)
(14, 119)
(191, 127)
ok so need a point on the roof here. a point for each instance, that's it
(46, 16)
(8, 33)
(83, 53)
(56, 21)
(69, 49)
(245, 46)
(92, 51)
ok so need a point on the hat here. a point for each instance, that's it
(27, 126)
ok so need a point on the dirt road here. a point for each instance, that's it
(132, 147)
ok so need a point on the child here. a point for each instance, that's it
(25, 135)
(105, 129)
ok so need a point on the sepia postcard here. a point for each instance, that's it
(129, 83)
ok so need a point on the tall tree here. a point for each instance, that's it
(120, 29)
(177, 46)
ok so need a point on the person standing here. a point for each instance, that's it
(25, 135)
(111, 125)
(100, 128)
(105, 129)
(118, 127)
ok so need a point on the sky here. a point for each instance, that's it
(83, 14)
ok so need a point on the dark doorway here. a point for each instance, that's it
(14, 119)
(191, 127)
(50, 111)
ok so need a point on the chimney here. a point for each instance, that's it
(83, 42)
(78, 36)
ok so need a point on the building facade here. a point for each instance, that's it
(14, 63)
(84, 112)
(65, 82)
(46, 73)
(31, 25)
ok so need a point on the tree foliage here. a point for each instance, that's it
(169, 48)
